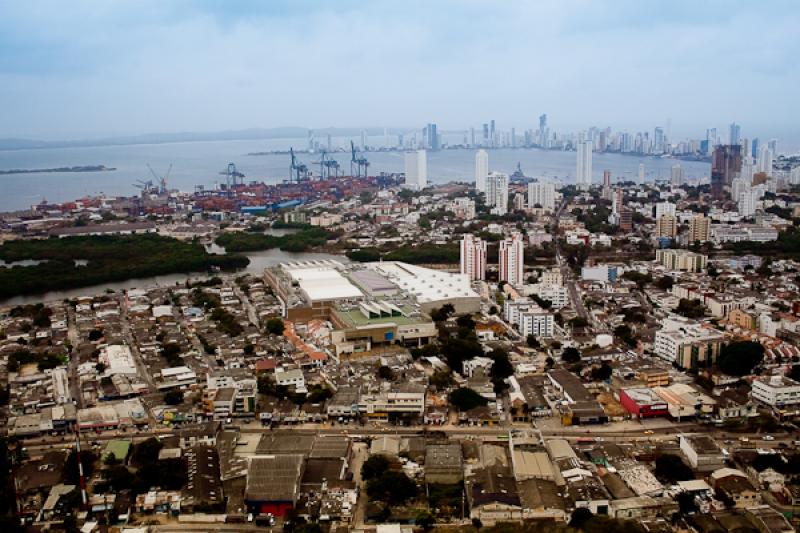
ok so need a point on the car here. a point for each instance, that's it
(649, 432)
(768, 437)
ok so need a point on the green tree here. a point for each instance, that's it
(173, 397)
(374, 466)
(275, 326)
(465, 399)
(570, 355)
(740, 358)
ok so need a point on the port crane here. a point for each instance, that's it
(326, 165)
(357, 163)
(232, 176)
(161, 180)
(297, 170)
(146, 186)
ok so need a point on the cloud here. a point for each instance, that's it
(96, 68)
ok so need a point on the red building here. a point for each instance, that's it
(643, 402)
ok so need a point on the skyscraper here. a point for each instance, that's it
(416, 163)
(433, 137)
(473, 257)
(658, 141)
(481, 170)
(735, 134)
(497, 192)
(511, 260)
(543, 130)
(583, 176)
(726, 164)
(542, 194)
(676, 178)
(766, 158)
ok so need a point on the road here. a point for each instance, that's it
(566, 272)
(74, 340)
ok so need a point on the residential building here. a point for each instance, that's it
(699, 229)
(687, 344)
(497, 192)
(666, 226)
(583, 176)
(473, 257)
(481, 170)
(542, 194)
(682, 260)
(511, 260)
(416, 168)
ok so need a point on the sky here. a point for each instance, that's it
(83, 69)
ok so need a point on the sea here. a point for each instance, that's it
(204, 163)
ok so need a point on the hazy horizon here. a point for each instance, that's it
(88, 70)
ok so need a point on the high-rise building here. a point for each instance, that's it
(658, 141)
(492, 133)
(726, 164)
(773, 146)
(497, 192)
(666, 226)
(665, 208)
(754, 148)
(699, 229)
(511, 260)
(734, 137)
(416, 163)
(543, 131)
(606, 178)
(677, 176)
(583, 176)
(433, 137)
(473, 257)
(748, 202)
(481, 170)
(766, 159)
(542, 194)
(363, 139)
(626, 219)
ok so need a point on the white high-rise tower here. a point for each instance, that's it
(497, 192)
(473, 257)
(543, 194)
(417, 169)
(481, 170)
(583, 176)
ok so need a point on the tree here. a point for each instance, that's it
(532, 341)
(100, 368)
(442, 313)
(275, 326)
(71, 472)
(442, 379)
(578, 322)
(374, 466)
(425, 520)
(146, 451)
(501, 368)
(385, 373)
(580, 516)
(391, 487)
(173, 397)
(665, 283)
(740, 358)
(671, 469)
(95, 335)
(602, 372)
(691, 308)
(570, 355)
(549, 362)
(465, 399)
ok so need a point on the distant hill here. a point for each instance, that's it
(161, 138)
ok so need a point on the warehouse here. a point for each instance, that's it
(643, 402)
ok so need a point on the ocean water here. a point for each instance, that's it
(201, 163)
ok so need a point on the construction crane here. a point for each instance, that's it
(357, 164)
(297, 169)
(161, 180)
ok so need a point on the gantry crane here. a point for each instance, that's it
(357, 164)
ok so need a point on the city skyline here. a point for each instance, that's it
(68, 72)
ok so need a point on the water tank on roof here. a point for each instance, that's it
(604, 340)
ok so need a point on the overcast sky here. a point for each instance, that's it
(71, 69)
